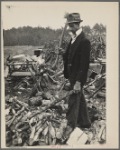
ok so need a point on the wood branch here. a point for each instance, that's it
(41, 128)
(32, 135)
(22, 126)
(18, 119)
(85, 87)
(50, 70)
(97, 90)
(53, 103)
(101, 132)
(51, 130)
(22, 104)
(16, 115)
(58, 73)
(35, 133)
(53, 80)
(56, 61)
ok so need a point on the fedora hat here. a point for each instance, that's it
(73, 17)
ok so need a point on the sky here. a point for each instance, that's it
(51, 14)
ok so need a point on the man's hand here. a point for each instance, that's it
(77, 87)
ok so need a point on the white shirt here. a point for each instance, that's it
(78, 32)
(38, 59)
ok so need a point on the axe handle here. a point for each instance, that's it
(62, 35)
(60, 44)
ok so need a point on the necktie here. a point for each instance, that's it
(73, 38)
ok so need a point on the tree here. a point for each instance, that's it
(87, 29)
(99, 28)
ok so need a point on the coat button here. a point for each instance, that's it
(69, 65)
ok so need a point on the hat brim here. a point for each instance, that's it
(74, 21)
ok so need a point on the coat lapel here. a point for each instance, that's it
(76, 43)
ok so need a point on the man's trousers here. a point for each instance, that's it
(77, 114)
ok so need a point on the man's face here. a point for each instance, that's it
(73, 27)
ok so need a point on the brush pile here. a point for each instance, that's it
(36, 106)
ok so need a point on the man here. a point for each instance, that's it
(76, 64)
(39, 56)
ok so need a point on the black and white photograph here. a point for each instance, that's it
(57, 87)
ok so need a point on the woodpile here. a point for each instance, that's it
(40, 117)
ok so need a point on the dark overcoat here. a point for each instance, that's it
(76, 64)
(76, 60)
